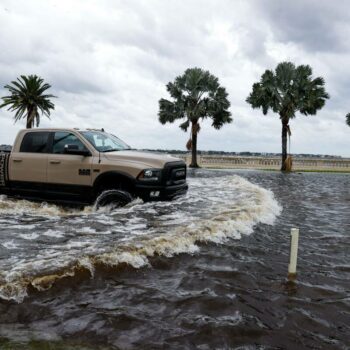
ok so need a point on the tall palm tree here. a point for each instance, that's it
(348, 119)
(28, 100)
(196, 95)
(286, 91)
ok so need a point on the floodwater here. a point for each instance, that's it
(206, 271)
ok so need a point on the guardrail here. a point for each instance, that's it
(273, 163)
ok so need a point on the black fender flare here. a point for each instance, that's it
(111, 175)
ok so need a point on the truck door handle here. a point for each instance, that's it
(55, 162)
(17, 160)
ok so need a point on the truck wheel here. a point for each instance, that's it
(113, 199)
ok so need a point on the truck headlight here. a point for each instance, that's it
(149, 175)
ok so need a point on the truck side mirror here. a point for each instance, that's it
(74, 150)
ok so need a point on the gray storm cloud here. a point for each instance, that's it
(109, 62)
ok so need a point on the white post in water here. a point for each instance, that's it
(292, 268)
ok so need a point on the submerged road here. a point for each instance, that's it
(207, 271)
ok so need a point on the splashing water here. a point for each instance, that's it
(41, 243)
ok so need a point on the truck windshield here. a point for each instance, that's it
(104, 142)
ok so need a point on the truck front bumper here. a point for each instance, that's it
(158, 193)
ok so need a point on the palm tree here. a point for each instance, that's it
(287, 90)
(196, 95)
(28, 100)
(348, 119)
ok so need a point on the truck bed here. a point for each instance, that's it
(5, 148)
(4, 162)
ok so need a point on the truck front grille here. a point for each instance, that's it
(174, 173)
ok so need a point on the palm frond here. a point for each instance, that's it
(348, 119)
(195, 95)
(27, 99)
(287, 90)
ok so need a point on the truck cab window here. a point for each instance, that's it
(35, 142)
(104, 142)
(65, 138)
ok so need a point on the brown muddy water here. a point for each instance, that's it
(206, 271)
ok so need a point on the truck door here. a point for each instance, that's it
(28, 163)
(68, 174)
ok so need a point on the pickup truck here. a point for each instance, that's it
(72, 166)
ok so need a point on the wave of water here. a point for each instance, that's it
(41, 243)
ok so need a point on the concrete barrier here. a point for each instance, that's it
(268, 163)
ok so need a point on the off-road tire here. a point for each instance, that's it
(113, 198)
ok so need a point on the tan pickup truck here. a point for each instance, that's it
(85, 167)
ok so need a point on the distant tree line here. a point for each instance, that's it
(243, 154)
(222, 153)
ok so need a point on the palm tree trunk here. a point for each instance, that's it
(29, 118)
(194, 163)
(29, 124)
(284, 143)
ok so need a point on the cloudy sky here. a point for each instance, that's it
(108, 61)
